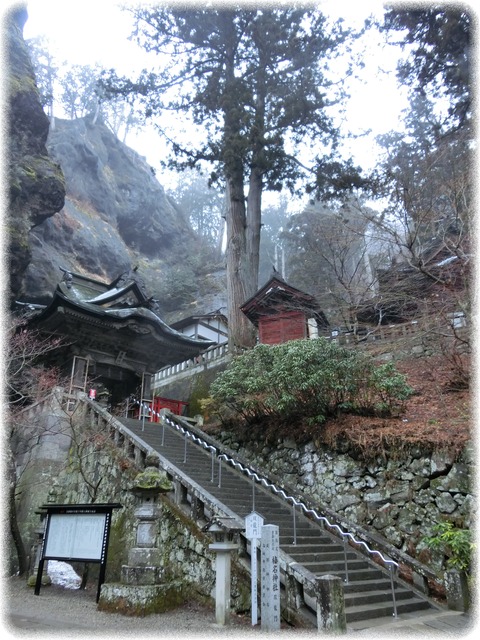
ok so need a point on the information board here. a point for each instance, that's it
(75, 535)
(77, 532)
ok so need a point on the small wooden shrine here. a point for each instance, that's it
(113, 336)
(282, 313)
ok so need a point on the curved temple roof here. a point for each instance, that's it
(104, 320)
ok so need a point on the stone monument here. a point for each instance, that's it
(142, 589)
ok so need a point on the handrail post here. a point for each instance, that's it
(294, 523)
(345, 558)
(392, 583)
(323, 520)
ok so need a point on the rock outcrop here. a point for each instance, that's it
(36, 183)
(116, 214)
(81, 200)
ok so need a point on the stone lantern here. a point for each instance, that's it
(144, 559)
(142, 590)
(223, 530)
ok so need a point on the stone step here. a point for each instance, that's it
(334, 566)
(353, 599)
(305, 536)
(322, 546)
(318, 556)
(354, 575)
(385, 609)
(368, 591)
(371, 583)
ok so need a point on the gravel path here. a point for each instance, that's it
(72, 613)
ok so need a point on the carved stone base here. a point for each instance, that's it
(141, 600)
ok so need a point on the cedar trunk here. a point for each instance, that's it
(239, 286)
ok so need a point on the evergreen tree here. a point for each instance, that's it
(255, 84)
(440, 42)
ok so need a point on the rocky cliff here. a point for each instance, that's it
(116, 214)
(84, 201)
(36, 184)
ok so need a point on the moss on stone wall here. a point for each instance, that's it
(184, 548)
(120, 541)
(144, 600)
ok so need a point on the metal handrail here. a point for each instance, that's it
(392, 565)
(307, 510)
(186, 433)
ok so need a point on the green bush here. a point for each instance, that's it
(312, 379)
(455, 543)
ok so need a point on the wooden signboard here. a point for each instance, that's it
(76, 533)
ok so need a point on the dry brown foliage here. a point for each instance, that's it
(436, 416)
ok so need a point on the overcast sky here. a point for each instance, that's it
(96, 31)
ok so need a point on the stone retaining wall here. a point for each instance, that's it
(64, 475)
(401, 498)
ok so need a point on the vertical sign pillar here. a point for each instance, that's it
(270, 599)
(253, 531)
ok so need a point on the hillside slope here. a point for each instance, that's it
(436, 416)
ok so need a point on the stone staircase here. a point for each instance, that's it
(367, 586)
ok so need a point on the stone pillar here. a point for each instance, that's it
(270, 578)
(197, 509)
(144, 559)
(223, 531)
(330, 605)
(293, 593)
(180, 493)
(223, 562)
(457, 590)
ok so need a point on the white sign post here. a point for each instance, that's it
(270, 578)
(253, 531)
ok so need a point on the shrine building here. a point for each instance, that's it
(113, 336)
(282, 313)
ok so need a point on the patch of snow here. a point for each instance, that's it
(63, 574)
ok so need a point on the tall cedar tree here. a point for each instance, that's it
(440, 39)
(255, 80)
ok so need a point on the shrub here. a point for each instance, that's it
(312, 379)
(455, 543)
